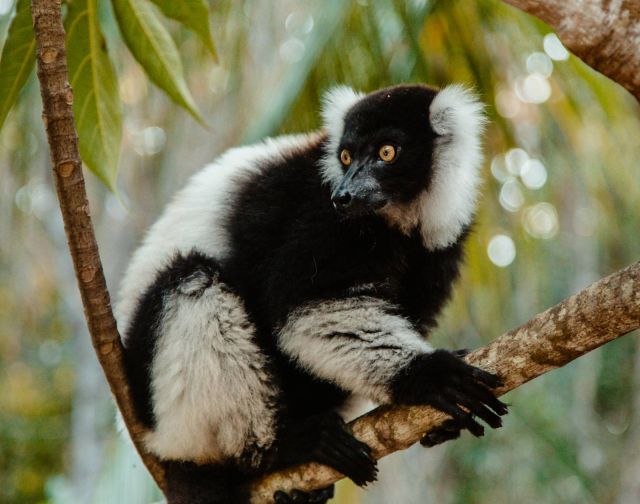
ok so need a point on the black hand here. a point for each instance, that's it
(443, 380)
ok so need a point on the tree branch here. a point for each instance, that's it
(605, 35)
(596, 315)
(57, 99)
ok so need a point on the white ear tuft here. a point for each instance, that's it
(457, 116)
(335, 104)
(456, 110)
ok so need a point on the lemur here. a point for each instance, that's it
(291, 278)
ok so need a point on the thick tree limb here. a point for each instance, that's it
(57, 98)
(604, 34)
(596, 315)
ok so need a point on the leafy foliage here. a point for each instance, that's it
(97, 107)
(18, 58)
(193, 14)
(150, 43)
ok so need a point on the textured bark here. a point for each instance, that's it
(596, 315)
(57, 99)
(605, 34)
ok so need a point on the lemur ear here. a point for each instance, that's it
(457, 116)
(336, 102)
(456, 110)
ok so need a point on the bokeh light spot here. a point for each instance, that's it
(533, 88)
(541, 221)
(554, 48)
(511, 197)
(501, 250)
(539, 63)
(533, 174)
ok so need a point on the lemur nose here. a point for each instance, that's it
(341, 199)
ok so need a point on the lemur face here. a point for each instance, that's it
(385, 151)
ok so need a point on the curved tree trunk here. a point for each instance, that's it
(57, 99)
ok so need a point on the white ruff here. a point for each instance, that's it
(449, 204)
(335, 104)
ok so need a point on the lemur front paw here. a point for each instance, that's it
(299, 497)
(327, 439)
(443, 380)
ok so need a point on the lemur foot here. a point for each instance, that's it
(327, 439)
(336, 446)
(297, 496)
(449, 430)
(443, 380)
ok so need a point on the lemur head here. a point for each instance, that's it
(409, 153)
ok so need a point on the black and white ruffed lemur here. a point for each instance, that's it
(292, 278)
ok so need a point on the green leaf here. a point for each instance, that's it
(151, 45)
(18, 58)
(96, 103)
(193, 14)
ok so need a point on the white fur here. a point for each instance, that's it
(212, 395)
(449, 204)
(193, 220)
(353, 342)
(355, 406)
(335, 104)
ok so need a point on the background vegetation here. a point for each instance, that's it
(561, 207)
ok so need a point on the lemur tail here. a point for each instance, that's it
(190, 483)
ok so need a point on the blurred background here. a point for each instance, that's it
(561, 208)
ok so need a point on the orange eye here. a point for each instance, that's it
(387, 153)
(345, 157)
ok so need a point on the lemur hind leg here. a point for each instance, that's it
(189, 483)
(327, 439)
(212, 399)
(201, 382)
(298, 497)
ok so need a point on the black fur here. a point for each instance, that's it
(190, 483)
(400, 117)
(300, 250)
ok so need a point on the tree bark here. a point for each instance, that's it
(57, 100)
(604, 34)
(602, 312)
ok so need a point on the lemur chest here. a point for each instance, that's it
(372, 261)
